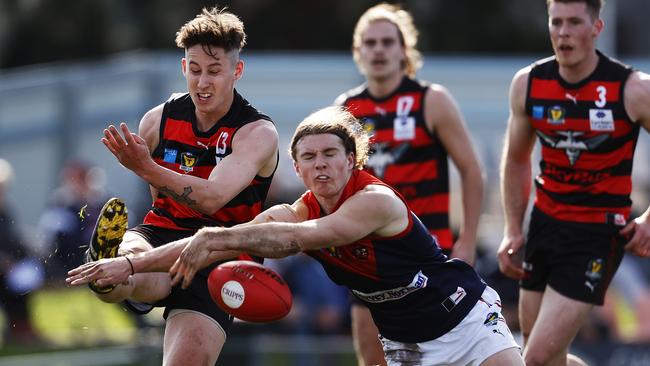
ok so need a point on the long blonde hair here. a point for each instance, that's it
(408, 34)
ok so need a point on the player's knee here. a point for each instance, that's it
(197, 357)
(534, 358)
(118, 294)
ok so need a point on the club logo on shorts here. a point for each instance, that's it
(492, 319)
(594, 273)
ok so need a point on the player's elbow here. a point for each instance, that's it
(210, 204)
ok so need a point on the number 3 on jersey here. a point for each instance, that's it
(602, 96)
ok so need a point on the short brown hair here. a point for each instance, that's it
(408, 34)
(593, 6)
(336, 121)
(213, 28)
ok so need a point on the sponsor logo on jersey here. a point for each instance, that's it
(188, 160)
(383, 155)
(404, 124)
(572, 142)
(538, 111)
(369, 126)
(332, 251)
(419, 282)
(556, 115)
(601, 120)
(619, 220)
(170, 155)
(454, 299)
(360, 253)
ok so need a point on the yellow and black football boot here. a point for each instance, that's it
(107, 236)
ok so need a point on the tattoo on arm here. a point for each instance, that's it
(183, 198)
(262, 243)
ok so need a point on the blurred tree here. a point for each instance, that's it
(37, 31)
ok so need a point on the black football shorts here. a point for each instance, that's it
(196, 297)
(578, 260)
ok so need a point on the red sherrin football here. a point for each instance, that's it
(249, 291)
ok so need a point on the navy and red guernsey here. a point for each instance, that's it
(587, 140)
(413, 292)
(404, 153)
(186, 150)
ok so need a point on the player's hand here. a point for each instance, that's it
(105, 272)
(130, 150)
(464, 251)
(194, 256)
(509, 257)
(639, 231)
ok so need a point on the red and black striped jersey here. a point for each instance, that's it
(587, 142)
(413, 291)
(186, 150)
(404, 153)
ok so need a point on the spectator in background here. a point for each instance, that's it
(320, 306)
(630, 292)
(68, 221)
(415, 126)
(19, 274)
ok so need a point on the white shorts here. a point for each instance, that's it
(481, 334)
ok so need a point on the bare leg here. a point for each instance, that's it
(510, 357)
(366, 337)
(557, 323)
(529, 303)
(192, 338)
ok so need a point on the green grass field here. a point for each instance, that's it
(69, 317)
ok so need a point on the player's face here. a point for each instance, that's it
(210, 78)
(323, 165)
(381, 53)
(573, 32)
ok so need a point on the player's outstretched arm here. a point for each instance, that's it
(112, 271)
(375, 210)
(196, 254)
